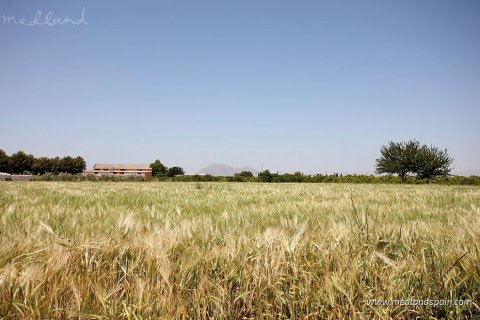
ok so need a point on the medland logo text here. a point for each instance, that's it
(44, 19)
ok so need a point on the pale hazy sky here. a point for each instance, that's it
(313, 85)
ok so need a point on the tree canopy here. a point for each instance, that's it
(265, 176)
(405, 158)
(158, 169)
(433, 162)
(20, 162)
(175, 171)
(4, 162)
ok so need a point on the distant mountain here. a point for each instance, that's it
(467, 173)
(223, 170)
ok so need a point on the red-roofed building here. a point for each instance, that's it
(121, 170)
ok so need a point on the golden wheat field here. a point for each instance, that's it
(98, 250)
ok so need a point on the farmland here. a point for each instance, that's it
(153, 250)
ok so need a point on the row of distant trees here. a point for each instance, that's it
(401, 158)
(22, 163)
(267, 176)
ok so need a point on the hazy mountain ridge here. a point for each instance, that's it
(467, 173)
(223, 170)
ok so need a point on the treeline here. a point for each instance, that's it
(272, 178)
(399, 160)
(22, 163)
(268, 177)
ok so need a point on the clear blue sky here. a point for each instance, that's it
(296, 85)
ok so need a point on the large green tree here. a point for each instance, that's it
(158, 169)
(405, 158)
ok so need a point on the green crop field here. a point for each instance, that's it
(150, 250)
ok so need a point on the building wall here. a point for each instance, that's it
(21, 177)
(121, 169)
